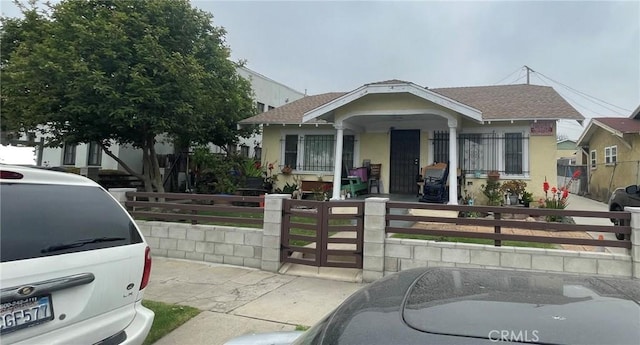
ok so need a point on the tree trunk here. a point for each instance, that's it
(155, 167)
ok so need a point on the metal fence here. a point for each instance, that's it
(481, 153)
(316, 152)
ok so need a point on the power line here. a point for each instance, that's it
(571, 99)
(520, 76)
(512, 73)
(584, 95)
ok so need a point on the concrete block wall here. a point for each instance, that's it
(211, 243)
(403, 254)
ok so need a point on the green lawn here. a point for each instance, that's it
(168, 317)
(475, 240)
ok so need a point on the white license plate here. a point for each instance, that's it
(25, 312)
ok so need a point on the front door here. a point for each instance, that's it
(404, 161)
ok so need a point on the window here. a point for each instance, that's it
(513, 153)
(271, 108)
(95, 154)
(260, 107)
(244, 150)
(69, 155)
(58, 222)
(482, 152)
(593, 159)
(291, 151)
(316, 152)
(610, 154)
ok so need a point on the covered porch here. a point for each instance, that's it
(394, 122)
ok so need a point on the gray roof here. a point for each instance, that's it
(501, 102)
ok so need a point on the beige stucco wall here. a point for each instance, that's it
(606, 178)
(376, 147)
(389, 102)
(566, 154)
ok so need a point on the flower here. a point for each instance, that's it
(545, 186)
(554, 190)
(565, 193)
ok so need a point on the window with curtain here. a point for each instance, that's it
(69, 154)
(315, 152)
(95, 154)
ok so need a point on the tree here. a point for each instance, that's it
(122, 72)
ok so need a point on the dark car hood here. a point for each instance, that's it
(533, 307)
(464, 306)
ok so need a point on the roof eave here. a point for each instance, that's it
(411, 88)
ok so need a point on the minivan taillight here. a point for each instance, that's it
(146, 273)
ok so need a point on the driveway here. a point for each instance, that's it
(581, 203)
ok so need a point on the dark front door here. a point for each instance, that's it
(404, 161)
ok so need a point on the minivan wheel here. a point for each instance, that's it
(618, 236)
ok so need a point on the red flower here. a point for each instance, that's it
(257, 165)
(565, 194)
(545, 186)
(554, 190)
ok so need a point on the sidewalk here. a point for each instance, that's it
(238, 300)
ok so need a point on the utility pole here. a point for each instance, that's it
(528, 70)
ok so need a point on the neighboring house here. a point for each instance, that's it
(268, 94)
(403, 126)
(568, 151)
(613, 146)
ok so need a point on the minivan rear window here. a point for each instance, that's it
(40, 220)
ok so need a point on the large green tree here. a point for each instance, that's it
(124, 72)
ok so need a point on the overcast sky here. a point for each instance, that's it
(593, 47)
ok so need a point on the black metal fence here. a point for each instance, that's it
(481, 153)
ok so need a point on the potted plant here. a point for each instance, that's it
(287, 170)
(514, 189)
(492, 191)
(527, 198)
(493, 175)
(252, 173)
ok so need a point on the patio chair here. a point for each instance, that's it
(435, 188)
(374, 177)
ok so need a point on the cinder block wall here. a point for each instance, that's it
(403, 254)
(219, 244)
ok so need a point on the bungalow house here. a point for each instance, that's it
(567, 150)
(613, 148)
(508, 128)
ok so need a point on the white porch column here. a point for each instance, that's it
(453, 162)
(337, 169)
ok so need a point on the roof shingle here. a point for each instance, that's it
(623, 125)
(501, 102)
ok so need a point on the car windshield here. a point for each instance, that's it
(37, 218)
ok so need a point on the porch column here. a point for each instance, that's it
(453, 163)
(337, 169)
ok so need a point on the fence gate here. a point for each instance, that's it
(322, 233)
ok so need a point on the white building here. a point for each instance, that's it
(268, 94)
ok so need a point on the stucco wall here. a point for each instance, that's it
(606, 178)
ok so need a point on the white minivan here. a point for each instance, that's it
(74, 264)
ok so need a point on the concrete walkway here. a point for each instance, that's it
(581, 203)
(238, 300)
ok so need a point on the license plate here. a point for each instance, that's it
(25, 312)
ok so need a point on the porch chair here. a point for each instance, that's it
(374, 177)
(435, 183)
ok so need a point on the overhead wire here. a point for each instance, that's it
(567, 97)
(505, 78)
(589, 97)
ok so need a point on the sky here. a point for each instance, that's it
(591, 47)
